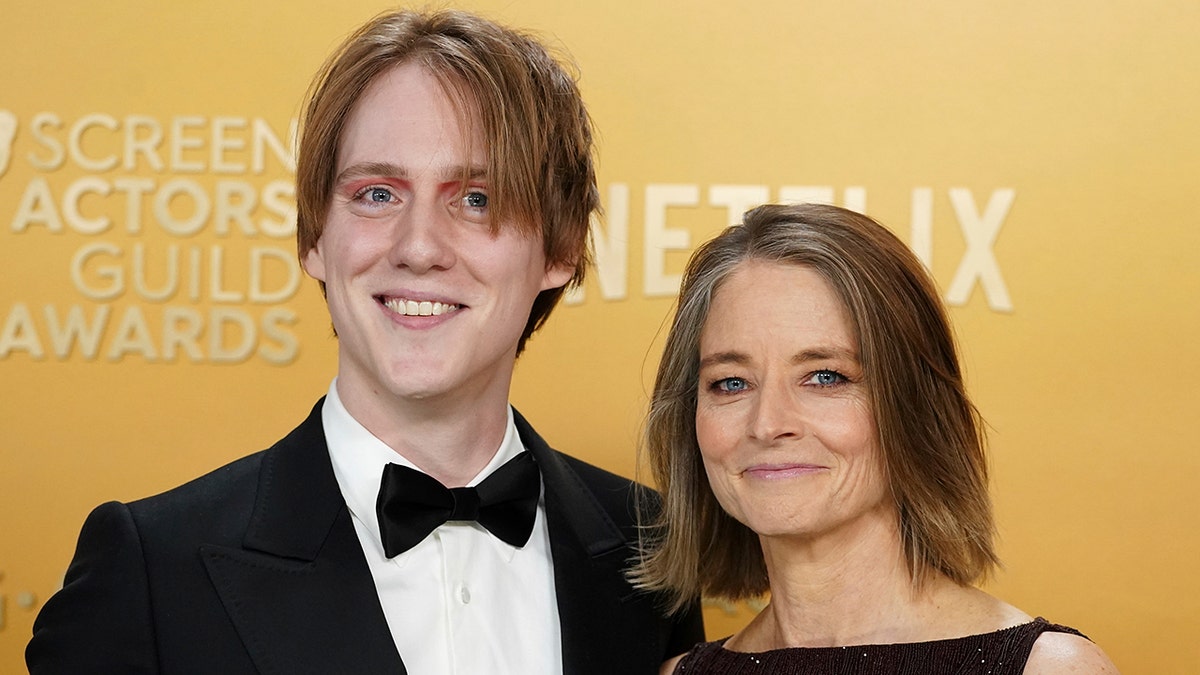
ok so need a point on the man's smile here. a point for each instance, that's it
(406, 307)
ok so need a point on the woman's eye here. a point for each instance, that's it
(730, 385)
(379, 195)
(827, 378)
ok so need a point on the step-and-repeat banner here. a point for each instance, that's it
(1041, 158)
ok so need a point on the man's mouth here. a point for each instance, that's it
(407, 307)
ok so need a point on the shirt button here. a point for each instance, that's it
(464, 594)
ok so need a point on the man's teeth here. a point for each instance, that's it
(414, 308)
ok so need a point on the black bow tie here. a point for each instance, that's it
(412, 504)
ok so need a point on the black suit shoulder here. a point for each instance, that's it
(628, 503)
(134, 564)
(137, 596)
(211, 507)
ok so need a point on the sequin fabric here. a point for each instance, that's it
(1003, 652)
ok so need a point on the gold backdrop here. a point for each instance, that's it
(1042, 158)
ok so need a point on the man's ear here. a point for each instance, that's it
(557, 275)
(314, 263)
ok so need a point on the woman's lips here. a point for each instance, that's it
(782, 471)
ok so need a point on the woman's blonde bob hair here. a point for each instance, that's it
(929, 433)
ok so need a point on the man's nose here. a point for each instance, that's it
(422, 238)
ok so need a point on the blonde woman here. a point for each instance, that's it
(813, 438)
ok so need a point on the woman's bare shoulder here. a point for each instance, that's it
(668, 666)
(1055, 653)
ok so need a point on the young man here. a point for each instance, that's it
(444, 188)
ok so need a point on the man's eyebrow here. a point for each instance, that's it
(389, 170)
(364, 169)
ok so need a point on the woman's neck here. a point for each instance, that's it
(853, 587)
(832, 589)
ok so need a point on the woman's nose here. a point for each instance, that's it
(776, 414)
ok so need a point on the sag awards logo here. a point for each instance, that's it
(180, 233)
(8, 133)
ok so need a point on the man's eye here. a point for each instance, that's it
(475, 200)
(375, 194)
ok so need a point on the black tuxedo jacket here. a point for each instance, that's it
(256, 568)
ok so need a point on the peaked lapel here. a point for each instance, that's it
(607, 626)
(299, 589)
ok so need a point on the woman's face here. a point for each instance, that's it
(782, 415)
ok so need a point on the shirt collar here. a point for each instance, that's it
(359, 457)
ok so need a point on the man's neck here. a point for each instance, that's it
(449, 438)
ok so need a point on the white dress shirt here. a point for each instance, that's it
(461, 601)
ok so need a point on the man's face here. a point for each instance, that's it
(428, 302)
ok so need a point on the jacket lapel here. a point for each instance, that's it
(606, 625)
(299, 590)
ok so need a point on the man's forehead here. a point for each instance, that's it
(407, 121)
